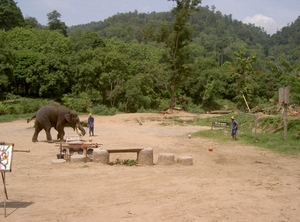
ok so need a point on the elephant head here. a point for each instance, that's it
(74, 121)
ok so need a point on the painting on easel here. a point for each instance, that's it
(6, 152)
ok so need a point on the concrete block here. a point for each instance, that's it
(100, 156)
(77, 158)
(146, 156)
(58, 161)
(185, 160)
(166, 159)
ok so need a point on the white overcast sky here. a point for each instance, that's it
(270, 14)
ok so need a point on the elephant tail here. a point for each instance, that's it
(28, 120)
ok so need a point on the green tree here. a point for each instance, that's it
(10, 15)
(24, 68)
(39, 40)
(101, 72)
(50, 76)
(42, 62)
(179, 54)
(54, 22)
(288, 74)
(31, 22)
(7, 62)
(87, 40)
(138, 92)
(203, 85)
(243, 74)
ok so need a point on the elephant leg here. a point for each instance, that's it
(61, 134)
(48, 135)
(36, 133)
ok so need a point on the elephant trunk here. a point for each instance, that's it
(82, 131)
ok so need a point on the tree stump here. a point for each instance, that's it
(185, 160)
(166, 159)
(146, 156)
(100, 156)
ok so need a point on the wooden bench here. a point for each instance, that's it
(144, 155)
(125, 150)
(220, 124)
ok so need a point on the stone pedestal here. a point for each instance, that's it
(100, 156)
(185, 160)
(146, 156)
(166, 159)
(77, 158)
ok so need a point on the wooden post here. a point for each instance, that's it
(5, 192)
(284, 94)
(60, 148)
(22, 151)
(285, 121)
(256, 121)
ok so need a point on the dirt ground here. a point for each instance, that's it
(232, 183)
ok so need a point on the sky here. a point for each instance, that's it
(272, 15)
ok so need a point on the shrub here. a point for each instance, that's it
(192, 108)
(3, 109)
(79, 103)
(164, 104)
(102, 110)
(32, 105)
(22, 105)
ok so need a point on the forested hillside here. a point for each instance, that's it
(193, 57)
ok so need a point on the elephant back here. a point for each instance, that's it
(53, 112)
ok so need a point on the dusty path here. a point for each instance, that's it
(232, 183)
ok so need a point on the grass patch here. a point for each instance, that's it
(12, 117)
(219, 135)
(269, 134)
(125, 162)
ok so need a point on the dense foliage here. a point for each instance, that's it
(126, 62)
(10, 15)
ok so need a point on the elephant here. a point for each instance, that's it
(56, 116)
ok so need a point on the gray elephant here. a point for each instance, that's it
(56, 116)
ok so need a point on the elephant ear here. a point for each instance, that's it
(68, 117)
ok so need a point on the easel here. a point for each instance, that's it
(5, 192)
(6, 153)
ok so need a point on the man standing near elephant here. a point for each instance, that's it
(91, 124)
(234, 128)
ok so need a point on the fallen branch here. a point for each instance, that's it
(139, 121)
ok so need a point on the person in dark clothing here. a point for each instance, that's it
(91, 124)
(234, 128)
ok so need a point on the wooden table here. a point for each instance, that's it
(72, 147)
